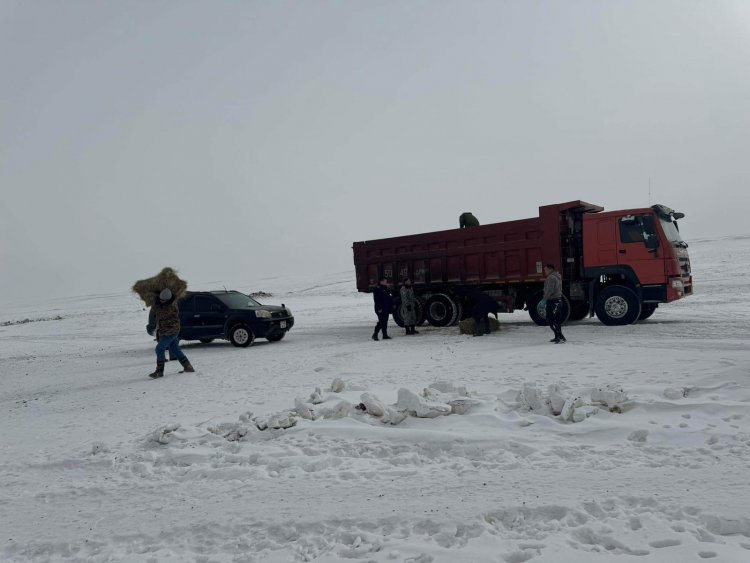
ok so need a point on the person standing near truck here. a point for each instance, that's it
(409, 307)
(553, 301)
(383, 308)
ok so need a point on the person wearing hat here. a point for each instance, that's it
(167, 317)
(383, 307)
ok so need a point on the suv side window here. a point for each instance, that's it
(186, 305)
(206, 304)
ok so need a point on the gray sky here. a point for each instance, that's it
(236, 139)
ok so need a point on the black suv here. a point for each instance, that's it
(233, 316)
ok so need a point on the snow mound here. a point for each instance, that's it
(561, 402)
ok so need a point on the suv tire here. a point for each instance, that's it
(241, 336)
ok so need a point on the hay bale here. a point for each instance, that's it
(149, 289)
(467, 326)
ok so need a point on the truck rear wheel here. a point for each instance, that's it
(538, 313)
(398, 315)
(617, 305)
(442, 310)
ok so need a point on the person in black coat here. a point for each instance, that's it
(483, 306)
(383, 308)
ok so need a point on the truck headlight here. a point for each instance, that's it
(677, 284)
(262, 314)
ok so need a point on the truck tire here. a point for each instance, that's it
(442, 310)
(538, 313)
(241, 336)
(617, 305)
(421, 311)
(459, 311)
(398, 315)
(647, 309)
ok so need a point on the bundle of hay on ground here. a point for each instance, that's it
(467, 326)
(149, 289)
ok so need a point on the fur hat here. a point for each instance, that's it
(166, 294)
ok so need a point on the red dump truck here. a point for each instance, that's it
(617, 265)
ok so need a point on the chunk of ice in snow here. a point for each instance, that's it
(373, 405)
(302, 409)
(582, 413)
(609, 396)
(315, 397)
(338, 385)
(415, 405)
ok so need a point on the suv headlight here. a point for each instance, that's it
(262, 314)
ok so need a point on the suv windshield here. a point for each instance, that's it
(236, 300)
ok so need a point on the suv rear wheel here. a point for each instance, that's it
(241, 336)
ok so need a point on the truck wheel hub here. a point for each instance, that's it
(616, 307)
(241, 335)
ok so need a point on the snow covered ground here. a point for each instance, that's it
(100, 463)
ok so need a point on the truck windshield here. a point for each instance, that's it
(671, 231)
(236, 300)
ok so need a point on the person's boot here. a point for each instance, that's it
(375, 335)
(159, 372)
(385, 336)
(187, 366)
(414, 329)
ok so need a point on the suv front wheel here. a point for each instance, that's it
(241, 336)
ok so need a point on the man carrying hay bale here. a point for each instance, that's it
(161, 293)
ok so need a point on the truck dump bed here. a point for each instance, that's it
(508, 252)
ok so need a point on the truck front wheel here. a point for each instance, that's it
(617, 305)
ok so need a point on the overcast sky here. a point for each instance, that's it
(236, 139)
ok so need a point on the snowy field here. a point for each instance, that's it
(649, 460)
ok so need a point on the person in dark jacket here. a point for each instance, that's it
(483, 305)
(553, 301)
(467, 220)
(152, 322)
(383, 308)
(409, 307)
(167, 317)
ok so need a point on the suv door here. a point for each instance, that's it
(187, 320)
(211, 314)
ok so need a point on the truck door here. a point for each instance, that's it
(633, 251)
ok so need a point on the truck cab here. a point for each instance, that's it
(635, 253)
